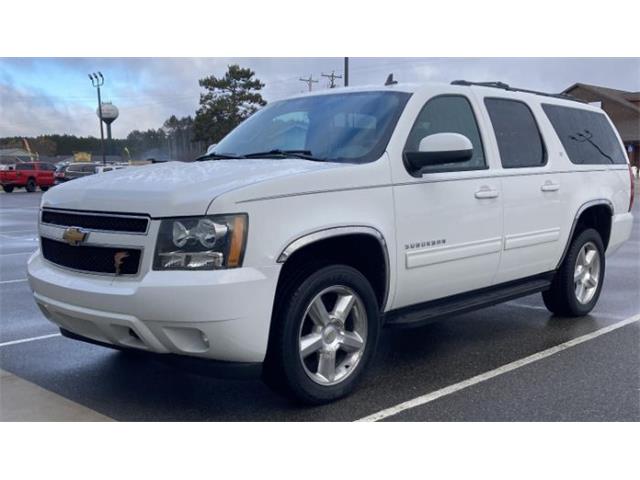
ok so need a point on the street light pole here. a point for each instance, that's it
(346, 71)
(97, 80)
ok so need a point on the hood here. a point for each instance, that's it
(171, 189)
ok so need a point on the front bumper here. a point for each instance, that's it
(223, 315)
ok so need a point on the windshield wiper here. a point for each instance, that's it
(303, 154)
(217, 156)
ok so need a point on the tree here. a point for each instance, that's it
(227, 102)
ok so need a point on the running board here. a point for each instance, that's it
(421, 314)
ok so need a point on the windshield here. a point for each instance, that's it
(349, 127)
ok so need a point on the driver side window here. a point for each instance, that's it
(448, 114)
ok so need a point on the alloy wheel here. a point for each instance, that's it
(333, 335)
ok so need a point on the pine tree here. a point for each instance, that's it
(227, 102)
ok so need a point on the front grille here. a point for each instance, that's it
(96, 222)
(91, 258)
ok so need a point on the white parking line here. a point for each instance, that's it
(16, 253)
(19, 280)
(9, 232)
(483, 377)
(32, 339)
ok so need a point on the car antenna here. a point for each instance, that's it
(390, 80)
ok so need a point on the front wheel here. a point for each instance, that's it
(31, 185)
(44, 189)
(577, 285)
(324, 335)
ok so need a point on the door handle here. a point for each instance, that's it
(550, 187)
(486, 192)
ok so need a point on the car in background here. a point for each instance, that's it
(109, 168)
(28, 175)
(75, 170)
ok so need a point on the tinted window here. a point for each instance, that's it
(586, 136)
(448, 114)
(347, 127)
(519, 140)
(24, 166)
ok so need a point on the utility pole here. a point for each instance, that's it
(346, 71)
(332, 78)
(97, 80)
(309, 81)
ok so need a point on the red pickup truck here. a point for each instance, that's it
(28, 175)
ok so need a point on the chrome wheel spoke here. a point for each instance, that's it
(327, 365)
(351, 342)
(580, 292)
(578, 274)
(343, 307)
(590, 282)
(589, 256)
(310, 344)
(318, 312)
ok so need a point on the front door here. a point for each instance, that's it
(449, 219)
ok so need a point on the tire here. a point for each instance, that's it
(349, 346)
(44, 189)
(7, 188)
(576, 287)
(31, 185)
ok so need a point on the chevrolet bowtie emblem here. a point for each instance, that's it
(74, 236)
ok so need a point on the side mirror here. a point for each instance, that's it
(439, 149)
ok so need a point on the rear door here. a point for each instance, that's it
(534, 194)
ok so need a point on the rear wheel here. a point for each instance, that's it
(31, 185)
(7, 188)
(44, 189)
(577, 285)
(324, 335)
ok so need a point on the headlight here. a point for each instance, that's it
(201, 243)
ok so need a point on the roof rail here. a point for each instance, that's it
(504, 86)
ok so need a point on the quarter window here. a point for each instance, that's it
(519, 140)
(448, 114)
(586, 136)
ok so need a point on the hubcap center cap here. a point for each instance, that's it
(330, 334)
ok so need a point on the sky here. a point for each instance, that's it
(54, 95)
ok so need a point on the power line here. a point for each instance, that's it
(332, 78)
(309, 81)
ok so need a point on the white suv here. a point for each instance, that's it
(325, 217)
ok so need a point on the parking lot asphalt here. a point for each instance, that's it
(599, 379)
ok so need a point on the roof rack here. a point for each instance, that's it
(504, 86)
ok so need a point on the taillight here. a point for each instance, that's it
(632, 189)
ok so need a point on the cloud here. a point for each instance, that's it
(53, 95)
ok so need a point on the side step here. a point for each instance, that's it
(421, 314)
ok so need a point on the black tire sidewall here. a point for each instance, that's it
(575, 307)
(31, 186)
(297, 380)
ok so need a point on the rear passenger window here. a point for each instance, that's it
(586, 136)
(519, 140)
(448, 114)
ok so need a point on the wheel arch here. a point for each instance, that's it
(596, 214)
(338, 243)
